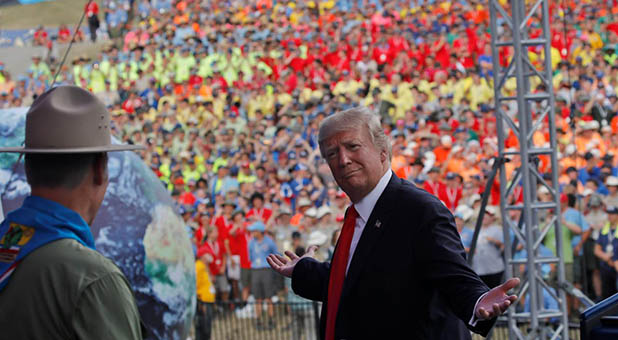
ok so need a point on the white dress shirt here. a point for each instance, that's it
(364, 207)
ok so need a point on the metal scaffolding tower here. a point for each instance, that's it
(534, 102)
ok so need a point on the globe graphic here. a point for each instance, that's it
(137, 228)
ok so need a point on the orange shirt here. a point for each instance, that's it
(295, 221)
(398, 162)
(614, 124)
(455, 165)
(441, 154)
(583, 144)
(567, 162)
(467, 173)
(404, 172)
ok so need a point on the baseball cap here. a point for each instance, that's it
(595, 201)
(612, 209)
(257, 226)
(303, 202)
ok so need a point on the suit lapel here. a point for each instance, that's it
(372, 233)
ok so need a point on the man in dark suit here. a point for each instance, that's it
(399, 261)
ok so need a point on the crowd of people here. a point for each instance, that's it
(228, 96)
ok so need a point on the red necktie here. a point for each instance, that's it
(337, 270)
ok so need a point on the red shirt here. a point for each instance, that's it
(239, 245)
(442, 54)
(195, 80)
(223, 227)
(381, 54)
(297, 64)
(261, 214)
(433, 187)
(450, 196)
(40, 34)
(221, 82)
(217, 266)
(130, 105)
(91, 8)
(64, 34)
(187, 198)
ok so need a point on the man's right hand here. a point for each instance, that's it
(284, 266)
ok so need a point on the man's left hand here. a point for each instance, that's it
(496, 301)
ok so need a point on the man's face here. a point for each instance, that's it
(285, 219)
(357, 165)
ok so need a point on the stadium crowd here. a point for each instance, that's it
(228, 96)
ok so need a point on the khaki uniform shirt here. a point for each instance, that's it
(64, 290)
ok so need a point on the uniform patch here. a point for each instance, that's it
(8, 255)
(17, 235)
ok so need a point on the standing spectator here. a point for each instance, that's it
(262, 284)
(596, 218)
(611, 182)
(576, 222)
(432, 184)
(238, 242)
(214, 258)
(205, 298)
(258, 212)
(115, 17)
(92, 14)
(450, 193)
(283, 229)
(487, 261)
(462, 215)
(606, 250)
(569, 230)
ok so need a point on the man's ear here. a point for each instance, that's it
(383, 156)
(99, 169)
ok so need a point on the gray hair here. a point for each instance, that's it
(354, 119)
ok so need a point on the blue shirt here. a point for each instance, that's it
(259, 251)
(466, 237)
(543, 252)
(584, 175)
(574, 216)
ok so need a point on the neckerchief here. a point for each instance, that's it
(38, 222)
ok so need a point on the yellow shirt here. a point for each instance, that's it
(480, 93)
(204, 288)
(595, 40)
(347, 87)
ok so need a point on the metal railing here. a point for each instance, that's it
(289, 320)
(301, 320)
(501, 330)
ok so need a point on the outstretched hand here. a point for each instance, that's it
(284, 266)
(496, 301)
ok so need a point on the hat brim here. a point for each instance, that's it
(92, 149)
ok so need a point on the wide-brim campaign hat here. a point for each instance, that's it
(68, 119)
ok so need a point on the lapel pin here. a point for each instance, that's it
(378, 224)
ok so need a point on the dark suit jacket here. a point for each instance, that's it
(409, 253)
